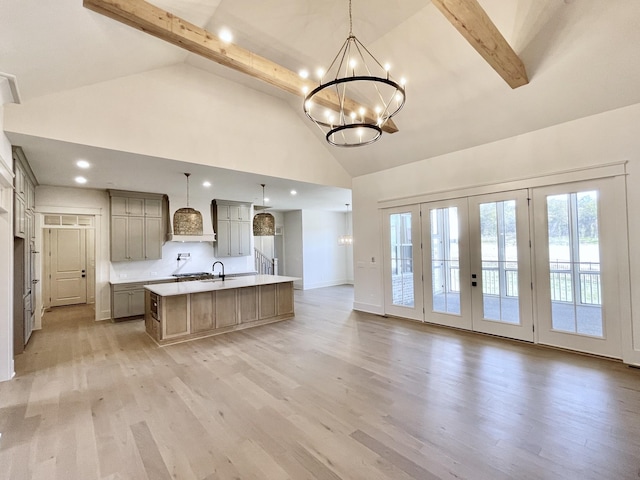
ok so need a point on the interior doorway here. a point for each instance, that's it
(69, 266)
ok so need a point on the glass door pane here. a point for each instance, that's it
(445, 260)
(574, 263)
(401, 259)
(499, 257)
(403, 263)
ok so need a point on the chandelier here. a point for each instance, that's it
(357, 98)
(347, 238)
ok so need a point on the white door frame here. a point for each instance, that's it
(613, 268)
(100, 269)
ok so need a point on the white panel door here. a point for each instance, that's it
(68, 270)
(447, 285)
(403, 262)
(577, 271)
(500, 255)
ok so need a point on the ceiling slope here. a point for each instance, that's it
(177, 31)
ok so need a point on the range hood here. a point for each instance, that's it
(207, 237)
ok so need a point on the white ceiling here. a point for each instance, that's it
(582, 58)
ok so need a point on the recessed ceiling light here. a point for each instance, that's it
(81, 180)
(304, 73)
(293, 192)
(206, 184)
(83, 164)
(226, 35)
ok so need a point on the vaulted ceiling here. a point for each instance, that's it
(581, 58)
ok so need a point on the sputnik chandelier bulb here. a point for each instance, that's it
(356, 96)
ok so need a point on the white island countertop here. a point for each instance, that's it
(197, 286)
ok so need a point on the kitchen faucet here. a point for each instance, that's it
(213, 268)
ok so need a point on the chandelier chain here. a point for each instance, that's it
(350, 21)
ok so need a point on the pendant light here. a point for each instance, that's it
(187, 221)
(264, 224)
(346, 239)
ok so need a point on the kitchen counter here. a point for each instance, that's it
(121, 281)
(182, 288)
(175, 312)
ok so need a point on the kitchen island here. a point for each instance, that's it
(175, 312)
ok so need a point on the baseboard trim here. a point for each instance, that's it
(368, 308)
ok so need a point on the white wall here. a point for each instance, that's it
(597, 140)
(324, 260)
(294, 258)
(312, 250)
(184, 113)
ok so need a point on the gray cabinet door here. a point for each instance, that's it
(120, 304)
(119, 206)
(136, 302)
(119, 233)
(135, 238)
(223, 239)
(153, 238)
(244, 238)
(152, 207)
(135, 207)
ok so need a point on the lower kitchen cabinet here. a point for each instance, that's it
(127, 300)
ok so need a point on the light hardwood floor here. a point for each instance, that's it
(331, 394)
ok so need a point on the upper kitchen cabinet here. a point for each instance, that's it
(137, 221)
(24, 183)
(232, 223)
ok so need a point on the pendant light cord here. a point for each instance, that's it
(350, 21)
(187, 175)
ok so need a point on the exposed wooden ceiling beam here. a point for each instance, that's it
(166, 26)
(474, 24)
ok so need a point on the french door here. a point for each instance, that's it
(477, 273)
(445, 250)
(402, 263)
(577, 267)
(467, 263)
(501, 290)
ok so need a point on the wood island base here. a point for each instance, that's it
(181, 317)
